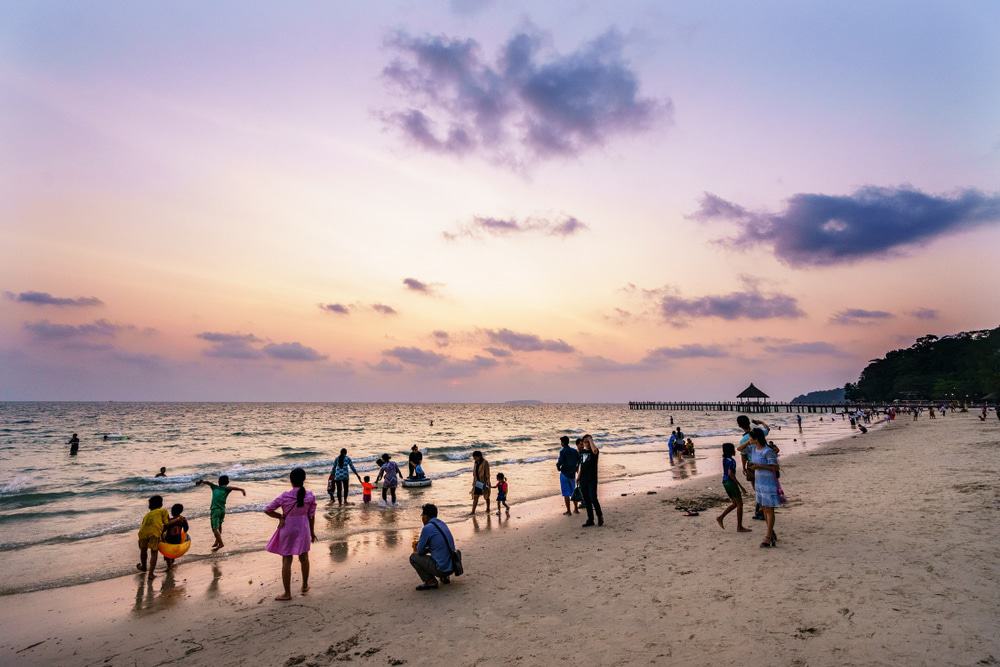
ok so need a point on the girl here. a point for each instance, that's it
(501, 487)
(340, 477)
(296, 530)
(764, 464)
(733, 488)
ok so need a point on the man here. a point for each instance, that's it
(480, 481)
(676, 440)
(431, 556)
(74, 445)
(416, 457)
(798, 418)
(569, 461)
(747, 425)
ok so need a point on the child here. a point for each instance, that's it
(501, 487)
(418, 471)
(217, 510)
(149, 534)
(162, 473)
(733, 488)
(366, 489)
(174, 530)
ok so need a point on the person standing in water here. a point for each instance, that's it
(480, 480)
(798, 419)
(296, 530)
(588, 481)
(74, 444)
(340, 477)
(416, 458)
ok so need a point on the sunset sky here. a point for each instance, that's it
(481, 201)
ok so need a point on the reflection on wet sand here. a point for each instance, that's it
(685, 469)
(147, 599)
(339, 551)
(213, 585)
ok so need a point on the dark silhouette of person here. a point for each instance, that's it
(74, 445)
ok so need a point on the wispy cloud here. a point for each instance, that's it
(655, 359)
(293, 351)
(419, 286)
(816, 229)
(498, 351)
(924, 313)
(860, 316)
(46, 299)
(383, 309)
(440, 365)
(482, 226)
(750, 303)
(43, 330)
(335, 308)
(441, 338)
(526, 342)
(805, 348)
(528, 104)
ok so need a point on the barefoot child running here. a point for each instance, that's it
(733, 488)
(220, 492)
(501, 487)
(149, 534)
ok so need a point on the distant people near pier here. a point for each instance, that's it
(798, 419)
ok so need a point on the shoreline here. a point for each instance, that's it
(861, 576)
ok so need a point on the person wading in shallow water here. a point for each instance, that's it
(480, 480)
(74, 444)
(588, 481)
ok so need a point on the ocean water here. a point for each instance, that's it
(67, 520)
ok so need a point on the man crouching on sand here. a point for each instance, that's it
(432, 554)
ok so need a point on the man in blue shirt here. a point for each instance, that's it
(431, 556)
(569, 461)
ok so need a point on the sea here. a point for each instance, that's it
(66, 520)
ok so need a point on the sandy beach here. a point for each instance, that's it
(887, 556)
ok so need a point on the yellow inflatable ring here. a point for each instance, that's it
(176, 550)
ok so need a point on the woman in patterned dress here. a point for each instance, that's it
(764, 463)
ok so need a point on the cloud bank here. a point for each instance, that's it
(750, 303)
(249, 346)
(860, 316)
(819, 230)
(527, 104)
(526, 342)
(439, 365)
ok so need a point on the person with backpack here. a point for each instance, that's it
(434, 555)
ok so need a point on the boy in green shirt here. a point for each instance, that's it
(220, 492)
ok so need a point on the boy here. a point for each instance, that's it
(174, 530)
(149, 534)
(366, 489)
(733, 488)
(220, 493)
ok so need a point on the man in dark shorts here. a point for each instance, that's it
(416, 457)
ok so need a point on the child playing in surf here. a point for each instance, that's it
(366, 489)
(501, 487)
(733, 488)
(175, 530)
(220, 492)
(149, 534)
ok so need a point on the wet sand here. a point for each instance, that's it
(887, 555)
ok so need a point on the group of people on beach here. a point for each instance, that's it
(578, 478)
(759, 460)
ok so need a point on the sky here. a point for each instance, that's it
(489, 201)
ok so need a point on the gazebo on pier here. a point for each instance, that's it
(752, 393)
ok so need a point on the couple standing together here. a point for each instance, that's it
(578, 477)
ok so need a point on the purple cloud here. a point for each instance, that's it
(526, 342)
(525, 105)
(498, 351)
(750, 303)
(43, 330)
(924, 313)
(860, 316)
(817, 230)
(293, 351)
(815, 347)
(416, 357)
(654, 359)
(481, 226)
(418, 286)
(441, 338)
(335, 308)
(46, 299)
(386, 366)
(231, 345)
(383, 309)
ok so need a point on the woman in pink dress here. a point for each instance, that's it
(296, 530)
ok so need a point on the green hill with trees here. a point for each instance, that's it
(820, 397)
(957, 367)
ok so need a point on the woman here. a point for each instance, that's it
(296, 530)
(340, 477)
(480, 481)
(588, 481)
(764, 464)
(388, 472)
